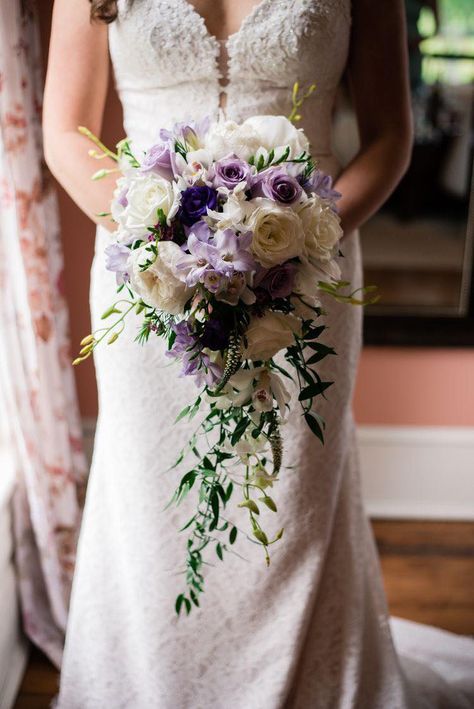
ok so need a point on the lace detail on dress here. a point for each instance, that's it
(162, 51)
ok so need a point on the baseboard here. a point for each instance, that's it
(417, 472)
(409, 472)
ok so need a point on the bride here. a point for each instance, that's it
(312, 631)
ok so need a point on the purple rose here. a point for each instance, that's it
(277, 281)
(230, 171)
(321, 184)
(158, 159)
(279, 186)
(216, 334)
(194, 203)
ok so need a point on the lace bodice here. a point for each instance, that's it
(162, 53)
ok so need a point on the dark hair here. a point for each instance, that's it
(103, 10)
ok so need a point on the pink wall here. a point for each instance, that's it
(395, 386)
(415, 386)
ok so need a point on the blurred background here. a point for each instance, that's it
(414, 400)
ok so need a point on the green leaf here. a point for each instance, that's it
(313, 390)
(233, 535)
(215, 507)
(194, 597)
(184, 412)
(312, 421)
(179, 603)
(239, 430)
(228, 492)
(219, 552)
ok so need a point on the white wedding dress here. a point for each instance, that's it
(312, 631)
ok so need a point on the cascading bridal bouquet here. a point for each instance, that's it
(226, 235)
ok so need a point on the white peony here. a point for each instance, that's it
(228, 137)
(269, 334)
(158, 285)
(277, 132)
(322, 228)
(146, 194)
(277, 232)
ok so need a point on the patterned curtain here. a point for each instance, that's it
(37, 395)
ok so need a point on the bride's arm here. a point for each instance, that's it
(378, 81)
(75, 92)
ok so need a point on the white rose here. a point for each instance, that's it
(322, 228)
(277, 232)
(228, 137)
(269, 334)
(159, 285)
(275, 132)
(146, 194)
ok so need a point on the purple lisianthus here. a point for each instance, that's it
(277, 281)
(321, 184)
(116, 260)
(276, 184)
(231, 171)
(215, 335)
(195, 201)
(158, 160)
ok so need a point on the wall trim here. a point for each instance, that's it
(408, 472)
(417, 472)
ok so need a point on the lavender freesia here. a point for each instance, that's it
(321, 184)
(116, 260)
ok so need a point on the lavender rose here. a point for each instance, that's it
(194, 203)
(279, 186)
(277, 281)
(230, 171)
(158, 159)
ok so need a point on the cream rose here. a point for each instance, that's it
(277, 232)
(270, 333)
(277, 132)
(228, 137)
(146, 194)
(322, 228)
(158, 285)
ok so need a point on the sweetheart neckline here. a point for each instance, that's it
(226, 41)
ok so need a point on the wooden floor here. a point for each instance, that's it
(428, 570)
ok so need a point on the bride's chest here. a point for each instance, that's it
(164, 42)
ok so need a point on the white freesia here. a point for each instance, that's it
(270, 333)
(228, 137)
(158, 284)
(194, 169)
(234, 209)
(276, 133)
(277, 232)
(322, 228)
(147, 193)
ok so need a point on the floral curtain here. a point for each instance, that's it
(37, 396)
